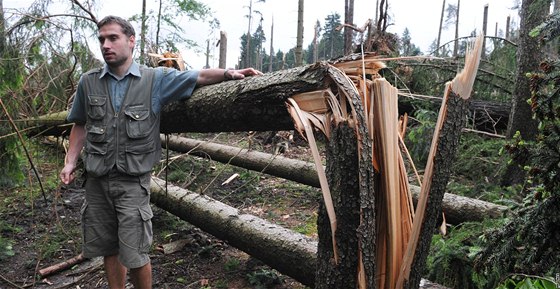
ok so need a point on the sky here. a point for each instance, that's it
(420, 17)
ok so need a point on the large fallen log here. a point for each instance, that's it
(457, 209)
(290, 253)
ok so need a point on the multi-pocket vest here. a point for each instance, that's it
(127, 140)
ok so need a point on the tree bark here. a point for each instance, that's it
(299, 39)
(2, 29)
(342, 165)
(223, 50)
(440, 28)
(276, 165)
(250, 104)
(442, 163)
(529, 56)
(456, 42)
(290, 253)
(349, 20)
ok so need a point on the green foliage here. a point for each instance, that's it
(419, 137)
(331, 44)
(232, 264)
(171, 33)
(263, 279)
(478, 167)
(406, 47)
(451, 259)
(527, 282)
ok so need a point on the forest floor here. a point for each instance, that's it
(36, 234)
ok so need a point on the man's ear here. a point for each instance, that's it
(131, 41)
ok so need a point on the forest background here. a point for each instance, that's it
(45, 51)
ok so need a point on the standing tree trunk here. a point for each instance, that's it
(143, 34)
(349, 20)
(271, 59)
(222, 62)
(440, 28)
(316, 42)
(158, 26)
(248, 44)
(299, 41)
(2, 29)
(484, 29)
(529, 56)
(456, 42)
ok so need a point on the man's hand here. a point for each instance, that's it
(67, 173)
(241, 73)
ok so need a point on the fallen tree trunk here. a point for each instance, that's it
(457, 209)
(290, 253)
(276, 165)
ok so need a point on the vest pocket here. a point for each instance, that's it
(138, 124)
(97, 106)
(139, 157)
(96, 133)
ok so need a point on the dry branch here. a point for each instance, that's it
(61, 266)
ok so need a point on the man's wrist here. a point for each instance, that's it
(227, 74)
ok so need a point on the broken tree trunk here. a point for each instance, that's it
(342, 163)
(451, 121)
(457, 208)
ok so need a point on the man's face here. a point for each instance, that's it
(115, 45)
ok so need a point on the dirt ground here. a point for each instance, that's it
(42, 233)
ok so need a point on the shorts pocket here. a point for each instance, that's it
(147, 234)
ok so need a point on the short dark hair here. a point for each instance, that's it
(126, 27)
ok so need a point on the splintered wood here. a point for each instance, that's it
(379, 99)
(398, 224)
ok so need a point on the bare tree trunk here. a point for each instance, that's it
(207, 65)
(508, 20)
(348, 32)
(248, 44)
(484, 29)
(143, 34)
(440, 28)
(271, 59)
(223, 50)
(158, 25)
(529, 56)
(316, 42)
(2, 29)
(456, 42)
(299, 41)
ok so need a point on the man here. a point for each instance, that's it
(116, 116)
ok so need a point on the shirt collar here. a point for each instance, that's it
(134, 70)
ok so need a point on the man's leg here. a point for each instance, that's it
(142, 277)
(116, 272)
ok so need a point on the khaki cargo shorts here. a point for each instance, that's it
(116, 218)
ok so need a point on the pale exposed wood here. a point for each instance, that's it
(61, 266)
